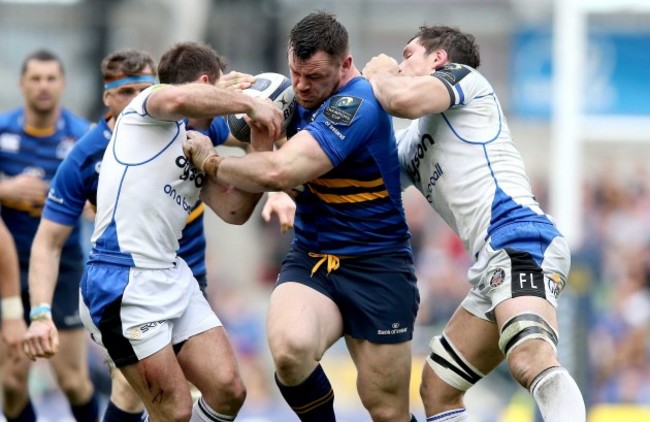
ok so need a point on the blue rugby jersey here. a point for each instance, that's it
(356, 208)
(76, 181)
(24, 151)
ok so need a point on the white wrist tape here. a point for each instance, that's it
(12, 307)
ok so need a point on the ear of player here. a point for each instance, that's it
(271, 85)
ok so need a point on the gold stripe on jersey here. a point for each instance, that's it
(347, 183)
(198, 211)
(361, 196)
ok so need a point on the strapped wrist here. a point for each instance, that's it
(40, 312)
(215, 160)
(12, 307)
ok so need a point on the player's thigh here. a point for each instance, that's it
(383, 372)
(159, 381)
(302, 318)
(475, 339)
(71, 360)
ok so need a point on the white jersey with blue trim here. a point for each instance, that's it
(465, 163)
(147, 189)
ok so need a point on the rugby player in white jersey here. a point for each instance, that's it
(140, 301)
(459, 153)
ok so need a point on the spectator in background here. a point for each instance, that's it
(34, 139)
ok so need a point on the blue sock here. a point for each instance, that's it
(27, 415)
(313, 399)
(115, 414)
(88, 412)
(413, 418)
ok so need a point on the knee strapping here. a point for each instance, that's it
(451, 366)
(525, 327)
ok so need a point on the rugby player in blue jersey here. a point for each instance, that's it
(34, 139)
(459, 153)
(350, 271)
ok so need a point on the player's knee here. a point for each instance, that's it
(289, 354)
(437, 394)
(384, 412)
(76, 388)
(529, 343)
(450, 366)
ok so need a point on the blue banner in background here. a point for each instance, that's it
(616, 75)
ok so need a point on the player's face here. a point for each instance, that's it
(42, 85)
(415, 60)
(314, 79)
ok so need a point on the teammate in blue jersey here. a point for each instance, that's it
(140, 301)
(459, 153)
(350, 271)
(34, 139)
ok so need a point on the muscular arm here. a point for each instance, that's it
(231, 204)
(44, 260)
(197, 101)
(298, 161)
(410, 97)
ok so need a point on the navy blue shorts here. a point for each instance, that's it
(65, 303)
(377, 295)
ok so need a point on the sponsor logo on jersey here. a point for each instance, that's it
(433, 179)
(342, 109)
(554, 283)
(178, 198)
(189, 171)
(451, 73)
(395, 329)
(51, 195)
(413, 165)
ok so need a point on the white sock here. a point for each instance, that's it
(202, 412)
(456, 415)
(558, 396)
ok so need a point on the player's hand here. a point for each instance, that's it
(41, 339)
(281, 204)
(26, 188)
(13, 332)
(198, 148)
(267, 115)
(236, 81)
(380, 64)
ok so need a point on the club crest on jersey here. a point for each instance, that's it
(342, 109)
(10, 142)
(497, 278)
(64, 147)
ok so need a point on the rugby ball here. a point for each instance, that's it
(271, 85)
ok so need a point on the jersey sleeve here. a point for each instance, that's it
(462, 82)
(345, 124)
(218, 131)
(66, 197)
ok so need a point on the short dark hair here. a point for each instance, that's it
(461, 47)
(125, 63)
(185, 62)
(318, 31)
(41, 56)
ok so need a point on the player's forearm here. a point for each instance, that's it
(9, 271)
(255, 172)
(43, 271)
